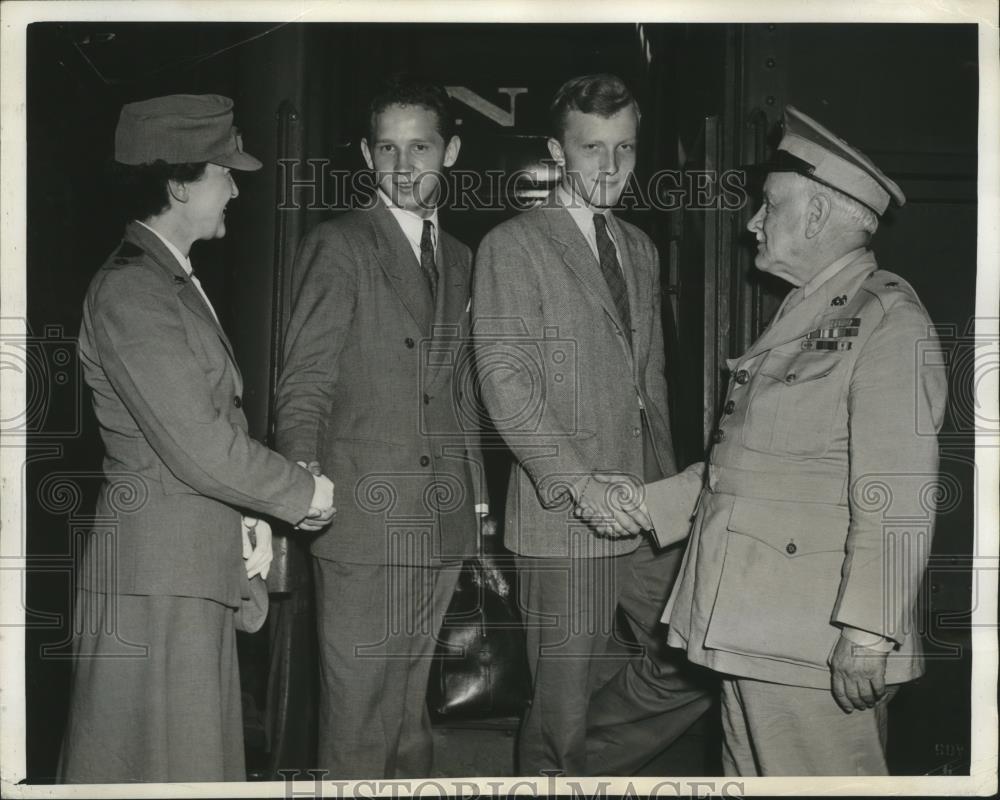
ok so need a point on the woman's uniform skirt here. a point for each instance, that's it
(156, 692)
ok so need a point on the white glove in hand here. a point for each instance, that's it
(257, 550)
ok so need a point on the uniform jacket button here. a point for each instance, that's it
(790, 377)
(424, 461)
(238, 401)
(427, 400)
(742, 377)
(636, 431)
(730, 407)
(791, 549)
(718, 436)
(409, 342)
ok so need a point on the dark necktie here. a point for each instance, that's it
(427, 256)
(613, 274)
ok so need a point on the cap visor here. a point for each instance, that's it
(237, 160)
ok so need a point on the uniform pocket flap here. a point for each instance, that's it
(795, 529)
(799, 367)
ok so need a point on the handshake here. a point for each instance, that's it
(618, 505)
(321, 509)
(612, 504)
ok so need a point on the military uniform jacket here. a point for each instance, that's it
(818, 505)
(372, 387)
(559, 379)
(179, 463)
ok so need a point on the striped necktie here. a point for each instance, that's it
(427, 263)
(613, 274)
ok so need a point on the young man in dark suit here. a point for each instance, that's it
(380, 303)
(579, 287)
(156, 693)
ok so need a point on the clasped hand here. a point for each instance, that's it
(321, 508)
(612, 504)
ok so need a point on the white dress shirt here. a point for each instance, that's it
(584, 219)
(412, 225)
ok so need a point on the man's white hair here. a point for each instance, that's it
(855, 213)
(849, 211)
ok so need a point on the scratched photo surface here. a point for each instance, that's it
(711, 97)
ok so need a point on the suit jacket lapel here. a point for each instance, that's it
(639, 304)
(395, 257)
(186, 290)
(805, 317)
(580, 258)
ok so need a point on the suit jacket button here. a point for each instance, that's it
(742, 377)
(427, 400)
(409, 342)
(636, 431)
(238, 401)
(790, 377)
(424, 461)
(718, 436)
(790, 548)
(730, 407)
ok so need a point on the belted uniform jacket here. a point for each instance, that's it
(817, 509)
(179, 463)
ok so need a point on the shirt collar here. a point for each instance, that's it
(183, 260)
(581, 214)
(829, 271)
(411, 223)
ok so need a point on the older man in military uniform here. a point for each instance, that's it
(792, 587)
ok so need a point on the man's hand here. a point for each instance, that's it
(321, 509)
(257, 550)
(612, 505)
(857, 675)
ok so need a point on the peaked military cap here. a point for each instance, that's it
(812, 150)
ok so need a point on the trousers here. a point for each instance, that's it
(600, 707)
(770, 729)
(377, 627)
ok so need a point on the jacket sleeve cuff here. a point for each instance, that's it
(867, 639)
(671, 504)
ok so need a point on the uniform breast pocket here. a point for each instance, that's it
(794, 403)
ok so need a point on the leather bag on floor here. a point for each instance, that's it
(480, 669)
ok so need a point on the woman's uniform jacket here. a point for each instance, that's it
(179, 464)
